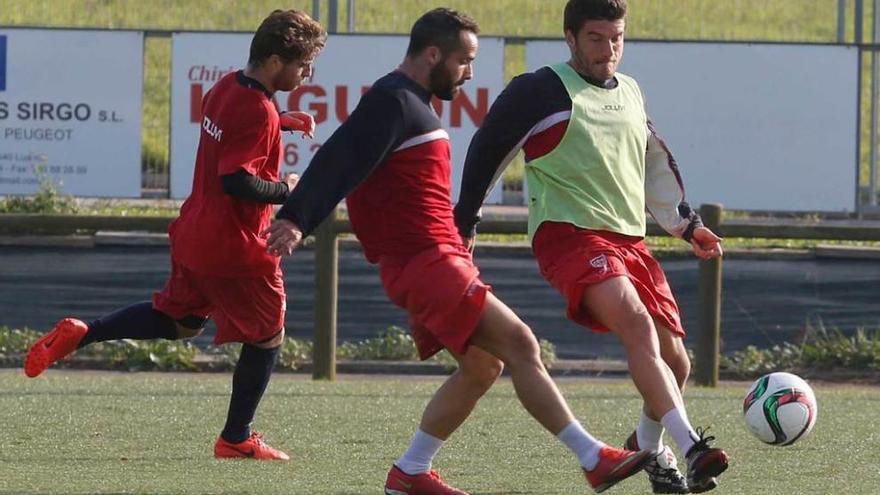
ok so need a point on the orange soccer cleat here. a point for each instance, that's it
(60, 342)
(430, 483)
(616, 465)
(252, 448)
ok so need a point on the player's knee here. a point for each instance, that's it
(484, 373)
(187, 327)
(272, 342)
(636, 327)
(523, 344)
(184, 332)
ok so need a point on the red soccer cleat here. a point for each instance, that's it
(430, 483)
(60, 342)
(616, 465)
(252, 448)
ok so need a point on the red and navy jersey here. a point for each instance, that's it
(217, 233)
(532, 114)
(391, 158)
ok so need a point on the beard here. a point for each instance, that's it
(441, 82)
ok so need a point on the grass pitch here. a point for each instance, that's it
(113, 433)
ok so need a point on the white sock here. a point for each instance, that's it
(679, 427)
(649, 434)
(585, 447)
(417, 459)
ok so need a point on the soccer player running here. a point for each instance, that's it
(219, 265)
(593, 164)
(391, 158)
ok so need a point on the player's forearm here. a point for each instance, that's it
(664, 190)
(243, 185)
(488, 156)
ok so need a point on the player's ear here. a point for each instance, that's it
(274, 62)
(569, 39)
(433, 55)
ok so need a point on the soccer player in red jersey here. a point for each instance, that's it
(391, 159)
(219, 265)
(594, 164)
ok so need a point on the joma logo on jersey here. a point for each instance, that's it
(212, 129)
(2, 63)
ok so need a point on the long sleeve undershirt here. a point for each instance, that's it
(243, 185)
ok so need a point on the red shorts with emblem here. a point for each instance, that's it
(571, 258)
(441, 290)
(248, 310)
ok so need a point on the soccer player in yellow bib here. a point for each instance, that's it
(594, 164)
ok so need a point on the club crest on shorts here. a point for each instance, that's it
(472, 289)
(600, 262)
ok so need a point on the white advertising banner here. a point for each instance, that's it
(346, 68)
(70, 111)
(752, 126)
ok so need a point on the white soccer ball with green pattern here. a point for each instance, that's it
(780, 409)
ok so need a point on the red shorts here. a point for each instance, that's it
(441, 290)
(571, 258)
(248, 310)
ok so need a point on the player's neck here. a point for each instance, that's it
(415, 71)
(261, 77)
(585, 75)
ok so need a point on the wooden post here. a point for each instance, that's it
(709, 336)
(326, 283)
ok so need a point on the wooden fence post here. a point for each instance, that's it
(709, 297)
(326, 284)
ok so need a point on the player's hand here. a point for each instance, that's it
(706, 244)
(469, 243)
(298, 121)
(291, 180)
(284, 237)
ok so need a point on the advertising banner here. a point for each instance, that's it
(345, 69)
(70, 111)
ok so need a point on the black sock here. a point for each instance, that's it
(249, 381)
(138, 322)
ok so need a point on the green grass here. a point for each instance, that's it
(83, 432)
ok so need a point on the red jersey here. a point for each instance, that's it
(392, 159)
(218, 234)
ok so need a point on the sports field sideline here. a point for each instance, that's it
(112, 433)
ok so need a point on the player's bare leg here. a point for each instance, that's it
(501, 333)
(456, 398)
(616, 304)
(449, 407)
(663, 471)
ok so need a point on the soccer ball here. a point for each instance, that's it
(780, 408)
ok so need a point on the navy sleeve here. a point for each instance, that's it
(345, 160)
(250, 187)
(511, 118)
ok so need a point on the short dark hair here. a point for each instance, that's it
(439, 27)
(290, 34)
(579, 11)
